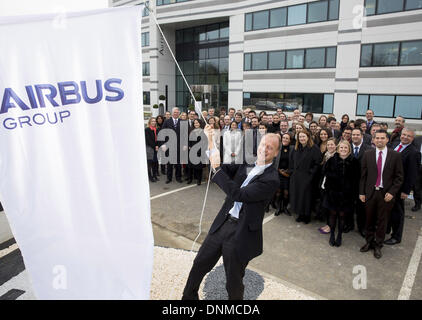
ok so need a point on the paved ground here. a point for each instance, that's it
(296, 256)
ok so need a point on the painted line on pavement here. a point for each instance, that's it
(173, 191)
(269, 218)
(8, 250)
(409, 279)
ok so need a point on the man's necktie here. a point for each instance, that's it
(356, 152)
(379, 168)
(400, 147)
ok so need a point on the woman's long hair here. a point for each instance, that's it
(310, 142)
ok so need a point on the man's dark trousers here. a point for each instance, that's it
(377, 215)
(220, 243)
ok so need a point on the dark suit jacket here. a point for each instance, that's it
(410, 166)
(392, 174)
(363, 148)
(367, 139)
(255, 196)
(368, 127)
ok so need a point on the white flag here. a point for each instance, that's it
(73, 178)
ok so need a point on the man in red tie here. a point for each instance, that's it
(381, 179)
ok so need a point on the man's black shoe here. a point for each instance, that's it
(362, 233)
(168, 181)
(377, 252)
(179, 180)
(366, 247)
(417, 207)
(392, 241)
(299, 219)
(189, 181)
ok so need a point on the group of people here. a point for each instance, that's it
(348, 173)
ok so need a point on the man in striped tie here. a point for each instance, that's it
(381, 179)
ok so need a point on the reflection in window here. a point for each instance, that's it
(387, 6)
(312, 102)
(260, 20)
(386, 54)
(409, 107)
(331, 57)
(366, 55)
(247, 61)
(278, 17)
(382, 106)
(317, 11)
(294, 59)
(413, 4)
(411, 53)
(315, 58)
(276, 60)
(334, 10)
(297, 15)
(259, 61)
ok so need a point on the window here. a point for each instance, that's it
(297, 15)
(291, 59)
(311, 102)
(224, 30)
(224, 65)
(373, 7)
(259, 61)
(387, 6)
(328, 106)
(145, 68)
(413, 4)
(382, 106)
(260, 20)
(213, 32)
(409, 107)
(366, 55)
(331, 57)
(278, 17)
(295, 59)
(276, 60)
(317, 11)
(411, 53)
(247, 62)
(362, 104)
(248, 22)
(315, 58)
(147, 99)
(370, 7)
(386, 54)
(334, 10)
(145, 39)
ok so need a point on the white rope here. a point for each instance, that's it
(193, 97)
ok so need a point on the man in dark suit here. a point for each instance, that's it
(332, 122)
(174, 124)
(417, 189)
(236, 233)
(409, 156)
(358, 150)
(381, 179)
(369, 120)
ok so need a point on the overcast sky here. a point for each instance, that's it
(21, 7)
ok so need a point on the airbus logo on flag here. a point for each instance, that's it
(66, 93)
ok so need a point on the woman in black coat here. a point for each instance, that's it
(151, 133)
(304, 162)
(196, 166)
(284, 174)
(342, 174)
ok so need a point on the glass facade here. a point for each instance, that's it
(145, 68)
(306, 102)
(390, 106)
(145, 39)
(391, 54)
(374, 7)
(163, 2)
(291, 59)
(203, 55)
(318, 11)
